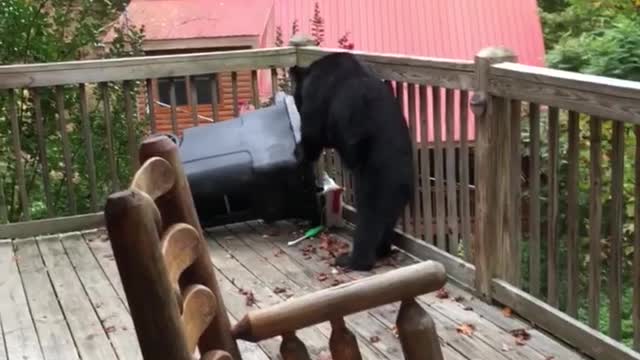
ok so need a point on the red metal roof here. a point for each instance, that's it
(190, 19)
(452, 29)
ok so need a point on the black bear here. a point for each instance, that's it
(344, 106)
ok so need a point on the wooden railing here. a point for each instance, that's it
(502, 203)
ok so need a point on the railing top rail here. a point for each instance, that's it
(450, 73)
(601, 96)
(135, 68)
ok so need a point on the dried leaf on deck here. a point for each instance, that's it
(279, 290)
(466, 329)
(521, 336)
(374, 339)
(322, 277)
(506, 312)
(442, 294)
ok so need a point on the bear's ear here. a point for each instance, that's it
(298, 73)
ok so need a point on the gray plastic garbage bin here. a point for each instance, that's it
(245, 168)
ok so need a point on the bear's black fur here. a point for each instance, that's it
(344, 106)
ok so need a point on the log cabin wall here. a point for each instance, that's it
(184, 115)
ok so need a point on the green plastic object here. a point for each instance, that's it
(308, 234)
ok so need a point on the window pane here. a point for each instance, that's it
(181, 91)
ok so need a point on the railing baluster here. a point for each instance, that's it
(572, 215)
(173, 101)
(88, 144)
(636, 247)
(465, 199)
(106, 102)
(595, 220)
(514, 208)
(234, 93)
(255, 94)
(274, 82)
(215, 96)
(439, 169)
(17, 153)
(552, 208)
(452, 198)
(534, 200)
(132, 142)
(417, 332)
(292, 348)
(42, 151)
(194, 100)
(4, 216)
(343, 343)
(425, 167)
(617, 220)
(152, 106)
(415, 201)
(66, 150)
(400, 94)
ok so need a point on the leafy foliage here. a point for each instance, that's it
(63, 30)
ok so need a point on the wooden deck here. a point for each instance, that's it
(61, 298)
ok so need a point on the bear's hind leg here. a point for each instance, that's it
(369, 235)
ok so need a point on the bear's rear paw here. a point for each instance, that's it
(346, 261)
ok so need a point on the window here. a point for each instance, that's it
(203, 86)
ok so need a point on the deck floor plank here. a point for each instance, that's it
(62, 298)
(89, 335)
(271, 276)
(55, 338)
(114, 316)
(19, 332)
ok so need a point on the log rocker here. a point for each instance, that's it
(174, 298)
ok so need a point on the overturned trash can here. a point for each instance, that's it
(245, 168)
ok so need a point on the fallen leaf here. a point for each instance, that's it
(549, 358)
(467, 308)
(394, 330)
(248, 294)
(458, 298)
(336, 282)
(110, 329)
(505, 348)
(506, 312)
(279, 290)
(521, 336)
(442, 294)
(374, 339)
(466, 329)
(322, 277)
(277, 253)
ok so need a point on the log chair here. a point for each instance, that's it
(175, 301)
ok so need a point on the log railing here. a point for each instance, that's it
(174, 298)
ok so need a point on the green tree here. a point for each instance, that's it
(61, 30)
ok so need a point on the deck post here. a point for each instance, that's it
(493, 250)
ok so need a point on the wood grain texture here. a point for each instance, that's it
(17, 156)
(590, 341)
(66, 150)
(417, 332)
(552, 208)
(596, 95)
(198, 312)
(51, 226)
(135, 68)
(177, 207)
(418, 70)
(534, 200)
(341, 300)
(292, 348)
(465, 198)
(441, 226)
(19, 332)
(134, 238)
(425, 167)
(636, 246)
(573, 222)
(179, 246)
(110, 154)
(155, 178)
(450, 165)
(595, 219)
(616, 232)
(513, 210)
(42, 149)
(87, 137)
(343, 343)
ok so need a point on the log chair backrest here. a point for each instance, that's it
(164, 264)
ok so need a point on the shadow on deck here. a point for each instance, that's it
(61, 297)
